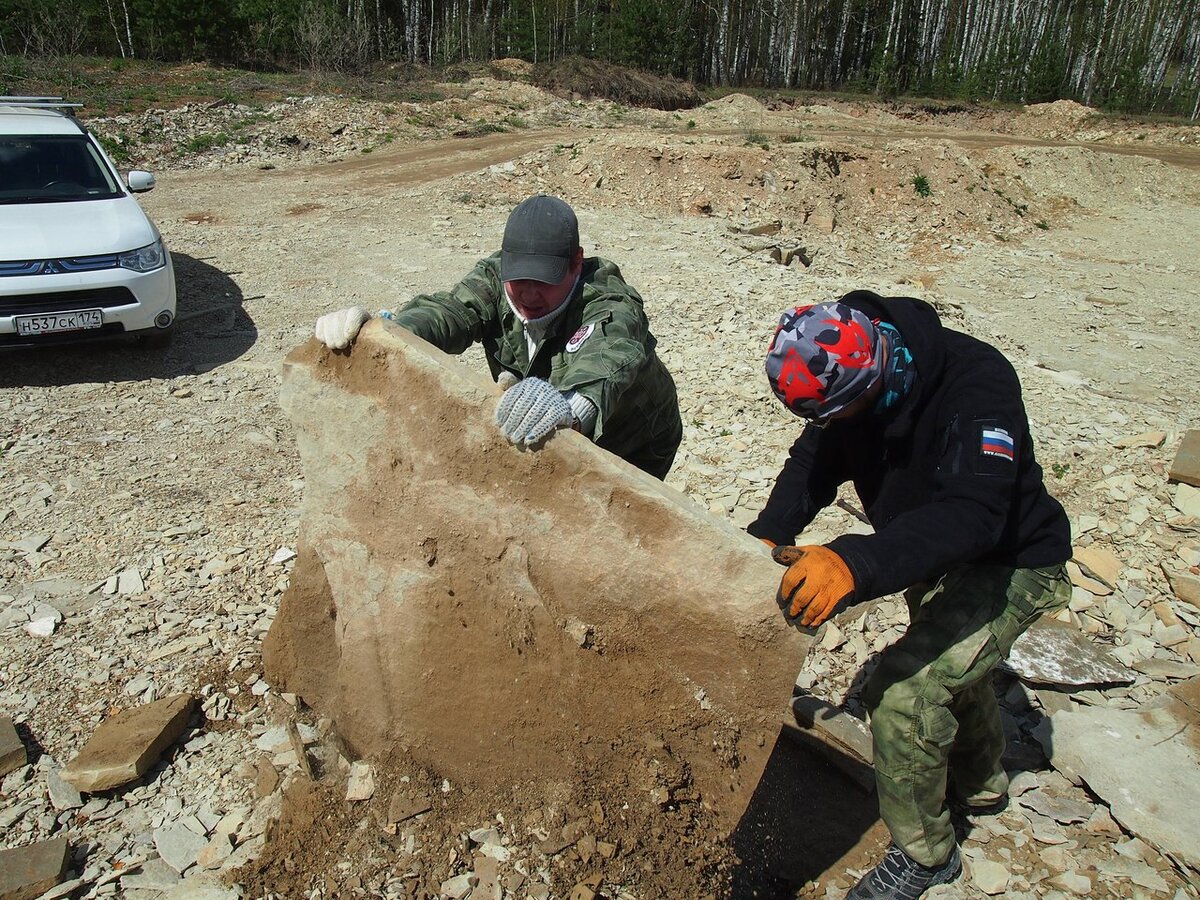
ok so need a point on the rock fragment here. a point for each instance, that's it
(361, 783)
(29, 871)
(179, 846)
(1055, 653)
(1122, 755)
(1185, 467)
(990, 877)
(127, 744)
(12, 751)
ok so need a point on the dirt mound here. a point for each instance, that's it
(1060, 119)
(591, 79)
(512, 68)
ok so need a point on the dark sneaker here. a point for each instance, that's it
(900, 877)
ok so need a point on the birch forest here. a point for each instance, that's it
(1139, 56)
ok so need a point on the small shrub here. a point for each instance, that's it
(117, 147)
(921, 185)
(1042, 225)
(203, 142)
(691, 123)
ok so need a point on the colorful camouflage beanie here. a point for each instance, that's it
(822, 358)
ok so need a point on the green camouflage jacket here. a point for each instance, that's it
(601, 347)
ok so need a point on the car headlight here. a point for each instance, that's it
(144, 259)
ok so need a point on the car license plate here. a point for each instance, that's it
(76, 320)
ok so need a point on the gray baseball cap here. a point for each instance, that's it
(540, 241)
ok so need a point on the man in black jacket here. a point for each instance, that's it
(930, 427)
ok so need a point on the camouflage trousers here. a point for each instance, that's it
(933, 710)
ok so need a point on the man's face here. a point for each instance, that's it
(534, 299)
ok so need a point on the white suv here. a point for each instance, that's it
(79, 260)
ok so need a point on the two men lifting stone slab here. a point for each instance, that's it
(926, 422)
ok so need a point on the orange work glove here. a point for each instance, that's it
(816, 581)
(770, 543)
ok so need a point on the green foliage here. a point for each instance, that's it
(754, 139)
(202, 143)
(1060, 469)
(116, 146)
(1119, 55)
(921, 185)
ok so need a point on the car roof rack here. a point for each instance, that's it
(39, 102)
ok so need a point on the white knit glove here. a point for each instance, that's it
(337, 329)
(531, 410)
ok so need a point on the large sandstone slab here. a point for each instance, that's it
(127, 744)
(503, 617)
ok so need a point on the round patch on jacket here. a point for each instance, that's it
(577, 339)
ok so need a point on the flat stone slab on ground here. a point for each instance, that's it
(126, 745)
(1185, 587)
(1186, 465)
(1123, 756)
(1055, 653)
(32, 870)
(178, 845)
(12, 751)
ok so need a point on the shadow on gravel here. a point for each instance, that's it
(211, 328)
(805, 822)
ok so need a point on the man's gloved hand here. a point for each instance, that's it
(817, 580)
(337, 329)
(531, 409)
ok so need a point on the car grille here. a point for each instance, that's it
(59, 266)
(64, 301)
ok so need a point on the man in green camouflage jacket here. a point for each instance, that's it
(564, 335)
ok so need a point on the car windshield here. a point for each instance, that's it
(53, 169)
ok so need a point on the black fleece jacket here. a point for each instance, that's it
(935, 474)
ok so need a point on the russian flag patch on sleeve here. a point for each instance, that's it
(996, 442)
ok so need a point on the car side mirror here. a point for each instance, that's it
(139, 182)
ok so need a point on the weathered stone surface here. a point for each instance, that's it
(178, 846)
(1099, 563)
(440, 568)
(1186, 465)
(1187, 500)
(12, 751)
(127, 744)
(32, 870)
(1123, 756)
(1149, 439)
(1053, 652)
(1185, 587)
